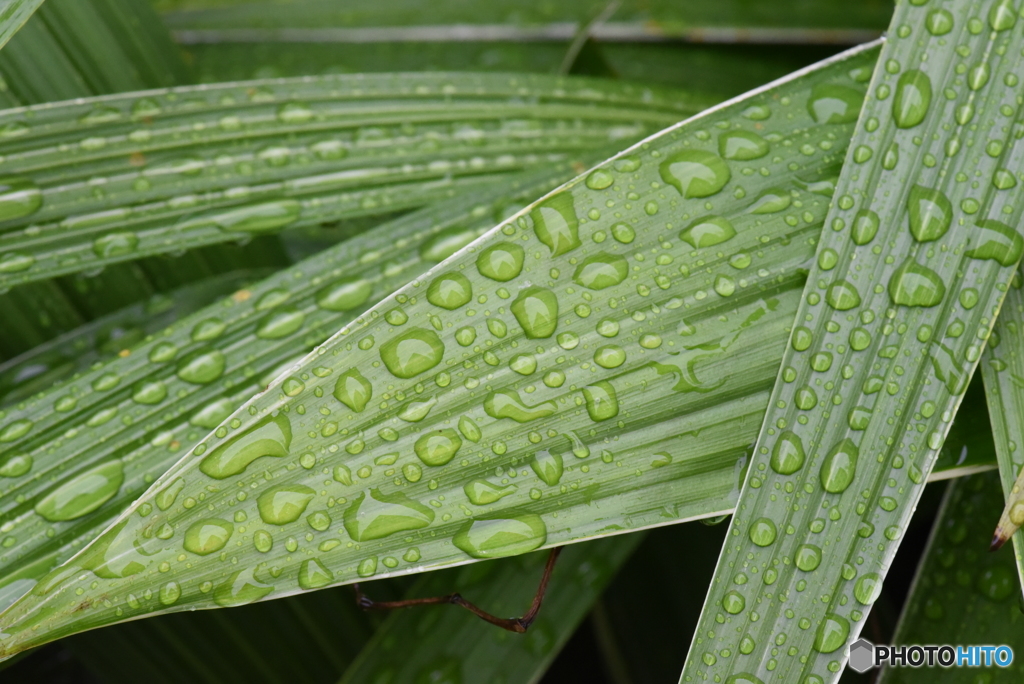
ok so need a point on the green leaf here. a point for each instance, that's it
(1003, 369)
(615, 397)
(13, 15)
(962, 594)
(144, 409)
(103, 180)
(882, 350)
(452, 641)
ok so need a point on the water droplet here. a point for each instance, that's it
(207, 536)
(623, 233)
(808, 557)
(609, 356)
(762, 532)
(15, 465)
(482, 492)
(733, 602)
(998, 242)
(832, 634)
(501, 262)
(997, 583)
(508, 404)
(599, 179)
(788, 453)
(202, 366)
(170, 593)
(842, 295)
(601, 400)
(931, 213)
(913, 96)
(271, 436)
(556, 224)
(313, 574)
(742, 145)
(284, 504)
(839, 467)
(524, 364)
(253, 218)
(834, 104)
(294, 113)
(438, 447)
(446, 243)
(868, 588)
(19, 197)
(548, 466)
(600, 271)
(771, 201)
(707, 232)
(15, 430)
(149, 392)
(115, 245)
(695, 173)
(939, 22)
(241, 588)
(469, 429)
(450, 291)
(865, 226)
(381, 515)
(536, 309)
(344, 295)
(915, 285)
(15, 262)
(413, 352)
(83, 493)
(497, 537)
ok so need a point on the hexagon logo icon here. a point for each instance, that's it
(862, 655)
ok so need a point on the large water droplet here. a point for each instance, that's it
(280, 323)
(788, 453)
(497, 537)
(931, 213)
(207, 536)
(450, 291)
(344, 295)
(508, 404)
(707, 232)
(241, 588)
(19, 197)
(83, 494)
(601, 270)
(556, 224)
(16, 262)
(313, 574)
(915, 285)
(695, 173)
(832, 634)
(536, 309)
(742, 145)
(413, 352)
(446, 243)
(548, 466)
(438, 447)
(913, 96)
(115, 245)
(202, 366)
(284, 504)
(601, 400)
(381, 515)
(482, 492)
(763, 532)
(839, 467)
(253, 218)
(998, 242)
(501, 262)
(271, 436)
(865, 226)
(842, 295)
(868, 588)
(834, 104)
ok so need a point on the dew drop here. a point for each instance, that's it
(438, 447)
(413, 352)
(839, 467)
(19, 197)
(202, 366)
(695, 173)
(600, 271)
(915, 285)
(381, 515)
(497, 537)
(707, 232)
(501, 262)
(536, 310)
(788, 453)
(271, 437)
(344, 295)
(284, 504)
(208, 536)
(83, 493)
(834, 104)
(913, 96)
(930, 212)
(556, 224)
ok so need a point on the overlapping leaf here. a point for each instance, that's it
(102, 180)
(516, 396)
(917, 254)
(962, 594)
(13, 14)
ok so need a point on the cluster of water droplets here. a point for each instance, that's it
(480, 410)
(899, 304)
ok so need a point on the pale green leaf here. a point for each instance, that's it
(451, 641)
(13, 14)
(103, 180)
(962, 594)
(585, 428)
(1002, 367)
(882, 351)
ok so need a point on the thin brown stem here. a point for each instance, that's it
(518, 625)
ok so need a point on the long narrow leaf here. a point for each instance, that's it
(13, 15)
(911, 271)
(546, 384)
(109, 179)
(962, 594)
